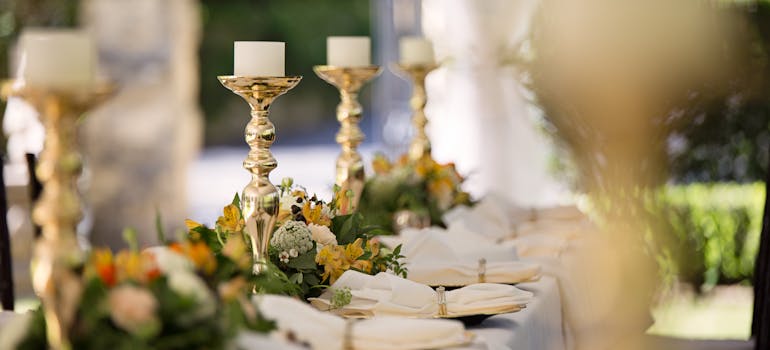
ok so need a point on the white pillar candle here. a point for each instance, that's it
(259, 58)
(416, 50)
(57, 58)
(348, 51)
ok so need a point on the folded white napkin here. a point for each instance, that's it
(485, 218)
(389, 295)
(324, 331)
(435, 243)
(566, 229)
(529, 246)
(436, 257)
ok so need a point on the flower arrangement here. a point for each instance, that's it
(422, 186)
(179, 295)
(314, 243)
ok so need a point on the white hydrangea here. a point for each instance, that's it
(293, 235)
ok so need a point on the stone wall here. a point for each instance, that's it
(138, 146)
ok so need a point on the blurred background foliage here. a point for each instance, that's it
(307, 115)
(713, 227)
(704, 207)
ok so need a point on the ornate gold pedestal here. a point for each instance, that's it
(260, 199)
(420, 145)
(350, 165)
(58, 211)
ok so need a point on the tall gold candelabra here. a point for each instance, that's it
(58, 210)
(260, 199)
(420, 145)
(350, 165)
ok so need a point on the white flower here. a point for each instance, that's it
(322, 236)
(133, 309)
(284, 257)
(293, 253)
(190, 285)
(14, 331)
(328, 212)
(293, 235)
(169, 261)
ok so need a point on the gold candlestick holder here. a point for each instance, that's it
(350, 165)
(58, 211)
(420, 145)
(260, 198)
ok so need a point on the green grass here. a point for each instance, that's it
(723, 313)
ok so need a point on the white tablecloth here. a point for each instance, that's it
(538, 327)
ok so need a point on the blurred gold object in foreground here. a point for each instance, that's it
(259, 201)
(420, 145)
(58, 210)
(350, 165)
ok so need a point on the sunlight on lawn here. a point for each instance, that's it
(723, 313)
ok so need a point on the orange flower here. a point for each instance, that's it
(199, 253)
(104, 265)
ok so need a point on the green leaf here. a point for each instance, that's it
(159, 227)
(236, 201)
(304, 261)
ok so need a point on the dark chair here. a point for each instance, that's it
(35, 188)
(760, 326)
(6, 270)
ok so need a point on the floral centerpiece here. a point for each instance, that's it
(175, 296)
(314, 242)
(424, 187)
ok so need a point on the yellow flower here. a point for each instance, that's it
(314, 214)
(381, 164)
(130, 266)
(199, 253)
(338, 259)
(231, 221)
(235, 249)
(332, 258)
(354, 250)
(191, 224)
(424, 166)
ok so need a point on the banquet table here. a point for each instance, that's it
(538, 326)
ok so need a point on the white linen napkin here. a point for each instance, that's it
(324, 331)
(435, 257)
(566, 229)
(388, 295)
(456, 243)
(529, 246)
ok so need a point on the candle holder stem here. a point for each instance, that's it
(260, 198)
(416, 73)
(58, 211)
(350, 164)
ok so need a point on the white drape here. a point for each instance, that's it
(478, 116)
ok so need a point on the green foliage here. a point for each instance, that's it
(393, 262)
(713, 232)
(304, 26)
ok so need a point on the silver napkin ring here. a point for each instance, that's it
(347, 340)
(441, 295)
(482, 270)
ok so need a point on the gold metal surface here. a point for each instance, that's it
(259, 200)
(58, 210)
(350, 165)
(420, 145)
(406, 218)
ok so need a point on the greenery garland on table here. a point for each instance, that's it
(179, 295)
(314, 243)
(424, 187)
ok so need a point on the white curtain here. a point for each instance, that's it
(478, 116)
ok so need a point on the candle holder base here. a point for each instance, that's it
(350, 165)
(260, 198)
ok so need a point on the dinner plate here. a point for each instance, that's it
(510, 309)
